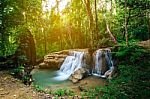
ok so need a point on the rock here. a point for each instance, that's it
(74, 80)
(83, 70)
(145, 44)
(87, 58)
(55, 60)
(43, 65)
(102, 63)
(78, 75)
(109, 73)
(64, 52)
(104, 66)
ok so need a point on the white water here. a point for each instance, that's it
(98, 62)
(72, 63)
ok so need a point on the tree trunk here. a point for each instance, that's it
(126, 30)
(45, 42)
(111, 35)
(108, 30)
(96, 22)
(91, 23)
(57, 6)
(27, 48)
(127, 22)
(148, 22)
(2, 29)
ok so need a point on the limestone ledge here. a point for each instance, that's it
(55, 60)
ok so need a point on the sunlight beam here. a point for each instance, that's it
(47, 5)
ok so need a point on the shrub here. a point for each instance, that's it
(62, 92)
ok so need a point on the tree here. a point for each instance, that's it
(91, 22)
(96, 20)
(2, 28)
(136, 22)
(126, 31)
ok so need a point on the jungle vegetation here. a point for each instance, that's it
(30, 29)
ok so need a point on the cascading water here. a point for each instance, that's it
(72, 63)
(99, 57)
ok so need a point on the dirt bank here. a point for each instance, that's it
(11, 88)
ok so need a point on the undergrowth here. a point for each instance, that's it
(63, 92)
(133, 79)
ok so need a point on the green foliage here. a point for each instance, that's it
(70, 28)
(132, 54)
(137, 19)
(55, 31)
(18, 72)
(63, 92)
(39, 88)
(129, 84)
(58, 92)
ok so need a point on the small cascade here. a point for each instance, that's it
(72, 63)
(103, 64)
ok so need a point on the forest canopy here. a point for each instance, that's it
(65, 24)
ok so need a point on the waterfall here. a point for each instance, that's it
(72, 63)
(103, 64)
(102, 60)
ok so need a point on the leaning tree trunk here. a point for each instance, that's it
(111, 35)
(108, 30)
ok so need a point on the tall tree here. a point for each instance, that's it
(96, 20)
(2, 28)
(91, 22)
(125, 23)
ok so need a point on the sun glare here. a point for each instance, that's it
(47, 5)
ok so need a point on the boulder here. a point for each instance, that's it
(43, 65)
(78, 75)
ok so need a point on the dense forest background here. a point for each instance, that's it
(69, 24)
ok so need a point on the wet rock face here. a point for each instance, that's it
(102, 62)
(78, 75)
(55, 60)
(104, 66)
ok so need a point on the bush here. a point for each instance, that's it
(62, 92)
(131, 55)
(18, 72)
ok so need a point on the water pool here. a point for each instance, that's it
(45, 78)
